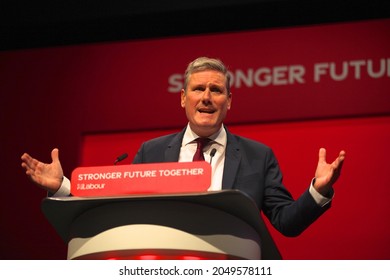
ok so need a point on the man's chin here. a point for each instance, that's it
(206, 127)
(205, 123)
(206, 119)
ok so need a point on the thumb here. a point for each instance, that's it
(322, 156)
(55, 155)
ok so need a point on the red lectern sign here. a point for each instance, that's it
(157, 178)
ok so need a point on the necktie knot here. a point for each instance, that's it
(201, 143)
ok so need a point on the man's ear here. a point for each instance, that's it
(230, 101)
(182, 98)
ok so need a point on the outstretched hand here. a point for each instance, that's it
(47, 176)
(327, 173)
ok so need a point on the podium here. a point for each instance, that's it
(209, 225)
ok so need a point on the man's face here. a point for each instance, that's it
(206, 101)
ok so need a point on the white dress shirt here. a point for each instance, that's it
(218, 142)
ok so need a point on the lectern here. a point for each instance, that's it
(208, 225)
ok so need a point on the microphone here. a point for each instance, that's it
(120, 158)
(212, 154)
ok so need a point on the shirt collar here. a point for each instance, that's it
(219, 137)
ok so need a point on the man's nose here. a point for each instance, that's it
(206, 95)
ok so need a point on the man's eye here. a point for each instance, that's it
(217, 90)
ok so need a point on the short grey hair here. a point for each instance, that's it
(206, 63)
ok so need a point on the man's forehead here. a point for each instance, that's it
(207, 76)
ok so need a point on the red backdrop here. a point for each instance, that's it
(295, 89)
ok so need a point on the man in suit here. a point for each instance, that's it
(237, 162)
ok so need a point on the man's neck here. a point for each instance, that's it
(205, 132)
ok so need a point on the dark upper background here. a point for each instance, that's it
(31, 24)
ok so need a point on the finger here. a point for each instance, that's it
(25, 167)
(26, 157)
(322, 156)
(338, 163)
(29, 172)
(342, 155)
(29, 161)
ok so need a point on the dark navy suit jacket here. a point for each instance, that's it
(252, 168)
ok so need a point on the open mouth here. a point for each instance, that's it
(206, 110)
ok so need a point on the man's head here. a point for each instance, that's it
(206, 95)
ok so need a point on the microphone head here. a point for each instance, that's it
(213, 151)
(120, 158)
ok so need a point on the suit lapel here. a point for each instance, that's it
(232, 161)
(173, 149)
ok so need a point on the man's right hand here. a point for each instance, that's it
(47, 176)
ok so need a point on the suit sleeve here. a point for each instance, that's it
(139, 156)
(290, 217)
